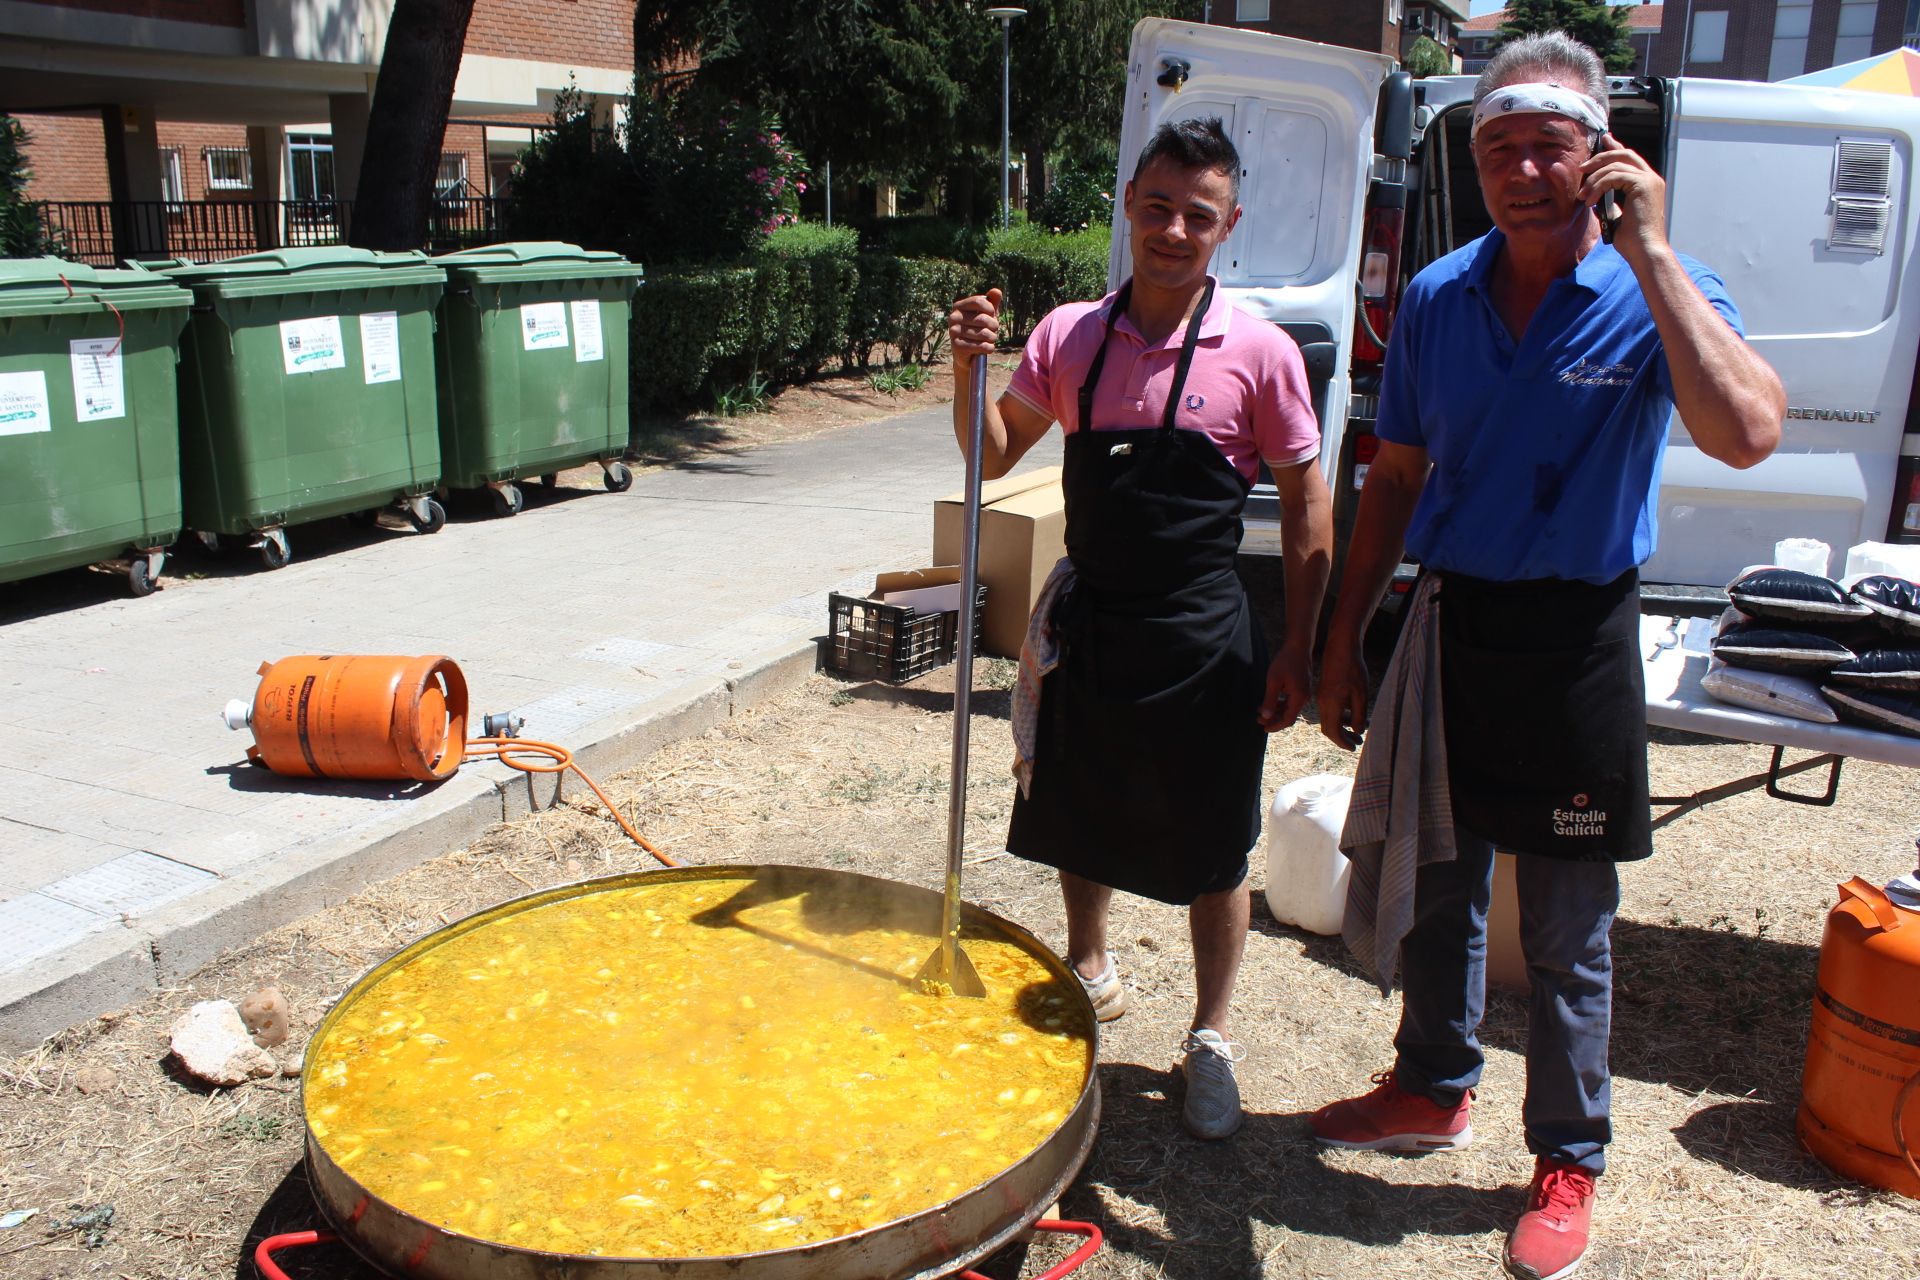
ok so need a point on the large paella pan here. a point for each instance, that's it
(701, 1072)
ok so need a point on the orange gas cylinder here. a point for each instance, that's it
(1858, 1107)
(357, 716)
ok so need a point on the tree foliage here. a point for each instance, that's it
(1598, 25)
(1078, 197)
(1069, 69)
(1427, 58)
(909, 91)
(875, 89)
(572, 183)
(695, 178)
(20, 233)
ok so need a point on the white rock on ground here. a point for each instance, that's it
(211, 1044)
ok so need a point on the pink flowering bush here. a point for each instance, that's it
(775, 187)
(693, 178)
(721, 173)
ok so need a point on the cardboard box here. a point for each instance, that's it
(1023, 529)
(946, 575)
(948, 510)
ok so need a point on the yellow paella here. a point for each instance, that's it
(689, 1068)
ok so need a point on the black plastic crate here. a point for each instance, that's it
(869, 640)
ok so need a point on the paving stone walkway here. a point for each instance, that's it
(136, 843)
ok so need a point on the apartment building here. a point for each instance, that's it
(1382, 26)
(153, 121)
(1778, 39)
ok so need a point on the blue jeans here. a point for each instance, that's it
(1566, 912)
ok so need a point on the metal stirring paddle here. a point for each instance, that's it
(948, 970)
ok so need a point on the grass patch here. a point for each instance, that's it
(906, 377)
(752, 396)
(253, 1128)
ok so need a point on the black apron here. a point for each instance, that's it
(1545, 706)
(1147, 765)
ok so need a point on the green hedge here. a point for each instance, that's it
(684, 320)
(699, 330)
(923, 235)
(1037, 270)
(819, 288)
(811, 298)
(903, 302)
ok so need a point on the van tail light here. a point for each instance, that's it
(1379, 274)
(1905, 523)
(1379, 284)
(1365, 449)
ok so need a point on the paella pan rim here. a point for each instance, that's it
(926, 1244)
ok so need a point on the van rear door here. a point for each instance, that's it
(1302, 116)
(1800, 198)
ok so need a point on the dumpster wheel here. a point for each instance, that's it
(507, 499)
(434, 520)
(618, 477)
(273, 549)
(143, 572)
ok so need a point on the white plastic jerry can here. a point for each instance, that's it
(1306, 872)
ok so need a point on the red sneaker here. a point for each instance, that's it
(1551, 1237)
(1392, 1119)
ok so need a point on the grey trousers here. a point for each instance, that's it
(1566, 913)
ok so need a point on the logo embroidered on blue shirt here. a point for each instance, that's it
(1585, 373)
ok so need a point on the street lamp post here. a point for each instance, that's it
(1006, 16)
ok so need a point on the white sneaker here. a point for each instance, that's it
(1213, 1096)
(1109, 998)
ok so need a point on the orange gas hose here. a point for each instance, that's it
(530, 756)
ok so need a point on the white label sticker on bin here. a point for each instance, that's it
(380, 346)
(23, 403)
(99, 380)
(313, 344)
(587, 343)
(543, 325)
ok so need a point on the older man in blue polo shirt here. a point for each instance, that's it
(1529, 382)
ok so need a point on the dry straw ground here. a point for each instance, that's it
(1716, 950)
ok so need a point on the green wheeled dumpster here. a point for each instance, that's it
(89, 437)
(307, 391)
(533, 365)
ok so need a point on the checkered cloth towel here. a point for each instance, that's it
(1039, 654)
(1400, 816)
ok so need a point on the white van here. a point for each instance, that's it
(1356, 176)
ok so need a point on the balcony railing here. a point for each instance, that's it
(105, 232)
(461, 222)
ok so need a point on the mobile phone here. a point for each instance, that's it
(1608, 210)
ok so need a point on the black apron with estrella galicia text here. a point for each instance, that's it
(1148, 759)
(1545, 709)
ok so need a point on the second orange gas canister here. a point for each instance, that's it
(369, 716)
(1860, 1093)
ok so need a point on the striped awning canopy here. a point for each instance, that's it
(1895, 71)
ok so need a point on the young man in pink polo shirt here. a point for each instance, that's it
(1145, 696)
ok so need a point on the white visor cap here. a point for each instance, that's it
(1553, 99)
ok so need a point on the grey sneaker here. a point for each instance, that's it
(1213, 1095)
(1108, 996)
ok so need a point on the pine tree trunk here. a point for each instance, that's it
(408, 122)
